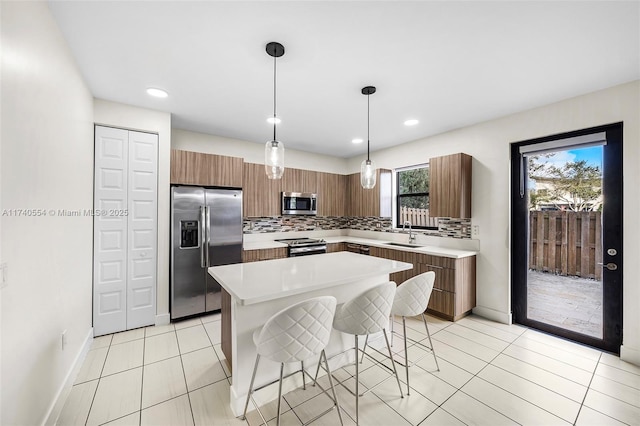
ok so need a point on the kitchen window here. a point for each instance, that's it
(412, 196)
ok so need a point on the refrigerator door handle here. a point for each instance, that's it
(208, 235)
(204, 244)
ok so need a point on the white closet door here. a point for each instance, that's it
(142, 233)
(110, 231)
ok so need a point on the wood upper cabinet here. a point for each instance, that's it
(332, 194)
(369, 202)
(261, 195)
(450, 186)
(197, 168)
(298, 180)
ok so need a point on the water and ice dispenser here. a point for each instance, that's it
(189, 234)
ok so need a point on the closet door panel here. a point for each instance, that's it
(142, 214)
(110, 231)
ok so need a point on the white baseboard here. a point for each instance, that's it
(65, 388)
(629, 354)
(163, 319)
(493, 315)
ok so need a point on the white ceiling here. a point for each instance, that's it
(448, 64)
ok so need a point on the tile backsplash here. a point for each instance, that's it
(447, 227)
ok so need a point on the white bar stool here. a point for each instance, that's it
(293, 335)
(366, 314)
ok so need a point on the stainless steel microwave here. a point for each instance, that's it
(302, 203)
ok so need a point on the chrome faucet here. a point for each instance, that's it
(412, 235)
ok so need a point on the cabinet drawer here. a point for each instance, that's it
(442, 303)
(445, 278)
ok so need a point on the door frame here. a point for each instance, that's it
(611, 237)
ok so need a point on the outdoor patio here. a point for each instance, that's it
(572, 303)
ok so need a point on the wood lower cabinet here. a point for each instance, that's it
(225, 325)
(335, 247)
(264, 254)
(454, 289)
(197, 168)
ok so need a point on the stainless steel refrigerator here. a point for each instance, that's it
(206, 230)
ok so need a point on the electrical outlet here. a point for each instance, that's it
(475, 231)
(64, 339)
(378, 225)
(4, 275)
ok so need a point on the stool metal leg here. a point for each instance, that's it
(280, 392)
(357, 381)
(304, 383)
(406, 352)
(433, 350)
(393, 363)
(366, 340)
(253, 377)
(333, 390)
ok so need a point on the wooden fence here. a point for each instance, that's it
(566, 243)
(417, 217)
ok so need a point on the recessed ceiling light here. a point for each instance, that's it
(272, 120)
(411, 122)
(357, 140)
(158, 93)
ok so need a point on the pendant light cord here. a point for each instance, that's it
(274, 98)
(368, 114)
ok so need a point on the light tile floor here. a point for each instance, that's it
(490, 374)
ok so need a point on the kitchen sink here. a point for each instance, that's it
(404, 245)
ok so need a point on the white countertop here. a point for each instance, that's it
(257, 282)
(424, 249)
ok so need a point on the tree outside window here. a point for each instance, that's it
(413, 196)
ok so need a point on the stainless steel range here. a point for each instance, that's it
(304, 246)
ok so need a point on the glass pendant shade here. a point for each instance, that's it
(368, 174)
(274, 159)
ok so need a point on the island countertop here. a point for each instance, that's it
(257, 282)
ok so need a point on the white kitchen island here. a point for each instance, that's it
(253, 292)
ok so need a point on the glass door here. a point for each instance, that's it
(567, 235)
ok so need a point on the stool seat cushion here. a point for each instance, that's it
(367, 313)
(412, 296)
(297, 332)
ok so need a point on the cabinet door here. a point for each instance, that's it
(374, 202)
(197, 168)
(264, 254)
(450, 186)
(442, 303)
(332, 194)
(261, 195)
(298, 180)
(335, 247)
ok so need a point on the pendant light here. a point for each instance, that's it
(274, 149)
(368, 167)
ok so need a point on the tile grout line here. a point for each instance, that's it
(602, 393)
(184, 375)
(505, 390)
(99, 379)
(144, 342)
(473, 377)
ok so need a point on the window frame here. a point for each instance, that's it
(399, 196)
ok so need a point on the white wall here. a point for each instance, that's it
(47, 163)
(145, 120)
(489, 142)
(254, 152)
